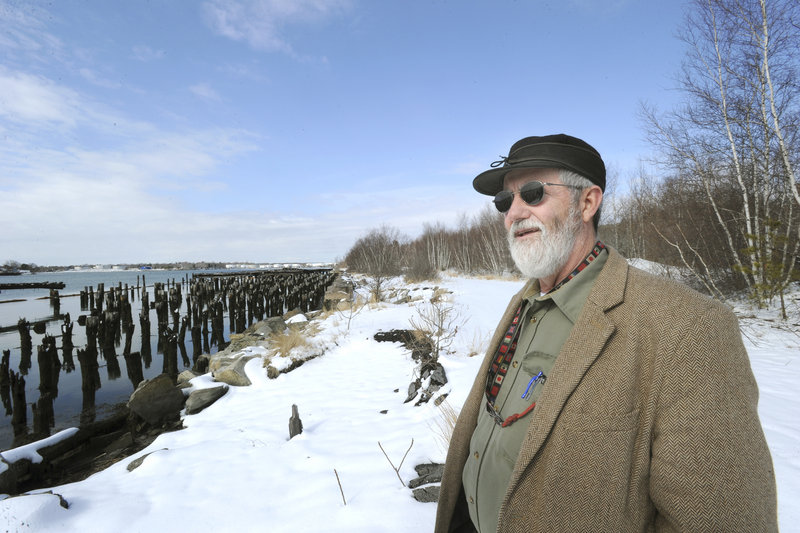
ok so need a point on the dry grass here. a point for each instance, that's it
(283, 343)
(443, 425)
(478, 344)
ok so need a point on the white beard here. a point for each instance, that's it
(548, 254)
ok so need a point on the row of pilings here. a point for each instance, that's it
(196, 305)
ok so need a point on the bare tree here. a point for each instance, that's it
(731, 144)
(379, 255)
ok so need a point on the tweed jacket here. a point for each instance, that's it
(648, 421)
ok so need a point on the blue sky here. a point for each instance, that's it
(282, 130)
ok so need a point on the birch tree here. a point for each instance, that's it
(735, 141)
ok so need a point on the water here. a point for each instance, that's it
(115, 387)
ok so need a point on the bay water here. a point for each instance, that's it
(35, 306)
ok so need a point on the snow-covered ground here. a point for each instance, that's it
(234, 469)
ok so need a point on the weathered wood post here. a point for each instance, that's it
(129, 328)
(133, 364)
(197, 347)
(144, 323)
(232, 311)
(19, 418)
(66, 344)
(295, 424)
(100, 295)
(90, 380)
(49, 367)
(25, 346)
(5, 382)
(170, 354)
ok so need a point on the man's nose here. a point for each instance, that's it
(518, 210)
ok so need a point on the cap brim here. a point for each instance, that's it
(490, 182)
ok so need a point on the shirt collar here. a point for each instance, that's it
(571, 294)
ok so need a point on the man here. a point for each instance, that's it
(609, 399)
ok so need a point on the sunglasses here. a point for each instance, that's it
(531, 193)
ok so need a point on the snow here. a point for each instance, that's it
(234, 469)
(31, 451)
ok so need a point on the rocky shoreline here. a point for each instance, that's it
(154, 408)
(157, 406)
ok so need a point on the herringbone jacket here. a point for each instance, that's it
(648, 422)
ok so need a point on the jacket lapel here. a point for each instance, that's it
(584, 344)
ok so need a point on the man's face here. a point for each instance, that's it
(542, 236)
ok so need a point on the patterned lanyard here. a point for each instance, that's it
(505, 353)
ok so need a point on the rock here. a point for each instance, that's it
(427, 494)
(295, 424)
(156, 400)
(413, 388)
(136, 463)
(339, 290)
(438, 375)
(233, 373)
(186, 376)
(428, 473)
(201, 365)
(402, 297)
(202, 398)
(289, 315)
(404, 336)
(252, 336)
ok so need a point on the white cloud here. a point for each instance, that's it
(205, 92)
(259, 23)
(146, 54)
(22, 30)
(96, 79)
(28, 98)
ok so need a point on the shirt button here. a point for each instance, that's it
(471, 500)
(515, 364)
(533, 320)
(477, 455)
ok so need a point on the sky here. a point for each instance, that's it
(224, 470)
(283, 130)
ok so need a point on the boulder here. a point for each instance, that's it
(233, 372)
(413, 388)
(427, 494)
(157, 400)
(202, 398)
(340, 290)
(428, 473)
(136, 463)
(186, 376)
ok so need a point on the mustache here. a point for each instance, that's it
(525, 224)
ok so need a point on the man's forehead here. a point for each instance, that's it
(529, 174)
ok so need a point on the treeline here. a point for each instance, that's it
(725, 205)
(12, 266)
(477, 246)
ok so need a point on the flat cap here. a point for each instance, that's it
(550, 151)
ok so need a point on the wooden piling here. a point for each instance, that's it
(19, 417)
(5, 381)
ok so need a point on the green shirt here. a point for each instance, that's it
(545, 324)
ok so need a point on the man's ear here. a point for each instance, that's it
(591, 199)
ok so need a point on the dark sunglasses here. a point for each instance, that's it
(531, 193)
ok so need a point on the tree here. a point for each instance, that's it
(11, 265)
(730, 148)
(377, 254)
